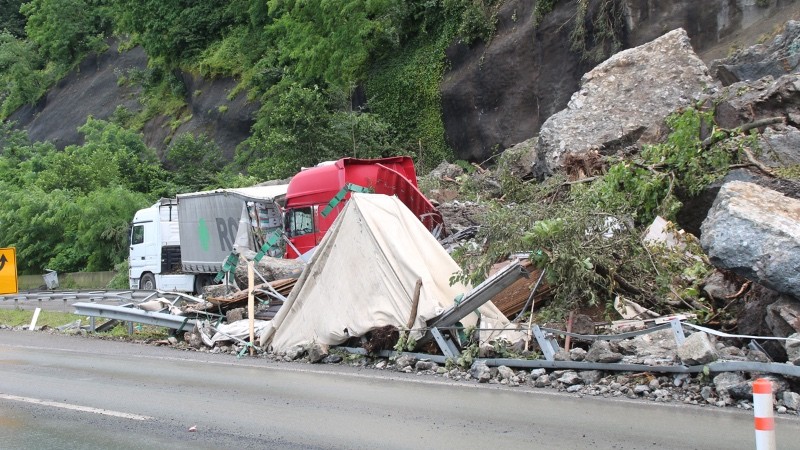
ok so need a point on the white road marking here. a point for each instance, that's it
(105, 412)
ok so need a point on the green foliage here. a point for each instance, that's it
(299, 129)
(599, 36)
(541, 9)
(69, 211)
(120, 280)
(11, 20)
(64, 30)
(332, 41)
(195, 162)
(404, 90)
(174, 32)
(22, 78)
(680, 165)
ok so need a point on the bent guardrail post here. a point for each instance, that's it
(475, 298)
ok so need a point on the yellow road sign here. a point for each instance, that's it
(8, 271)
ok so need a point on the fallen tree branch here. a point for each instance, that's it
(752, 159)
(740, 292)
(725, 134)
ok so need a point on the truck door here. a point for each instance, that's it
(144, 255)
(300, 228)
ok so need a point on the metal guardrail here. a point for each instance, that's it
(81, 295)
(128, 314)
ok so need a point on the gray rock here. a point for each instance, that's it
(601, 352)
(562, 355)
(569, 378)
(425, 365)
(753, 232)
(697, 349)
(172, 340)
(542, 381)
(317, 352)
(590, 376)
(577, 354)
(332, 359)
(791, 400)
(574, 388)
(776, 58)
(295, 352)
(480, 371)
(404, 361)
(783, 317)
(536, 373)
(641, 389)
(624, 98)
(792, 347)
(234, 315)
(707, 393)
(780, 146)
(732, 385)
(506, 373)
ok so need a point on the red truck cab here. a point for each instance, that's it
(311, 190)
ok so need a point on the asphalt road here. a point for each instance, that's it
(60, 391)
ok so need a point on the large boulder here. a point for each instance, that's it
(755, 232)
(623, 100)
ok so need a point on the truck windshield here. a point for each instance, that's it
(299, 221)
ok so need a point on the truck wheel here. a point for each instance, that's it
(148, 282)
(201, 281)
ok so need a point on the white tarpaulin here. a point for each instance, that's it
(362, 277)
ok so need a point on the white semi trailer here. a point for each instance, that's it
(181, 244)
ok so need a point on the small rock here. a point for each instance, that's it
(332, 359)
(792, 346)
(506, 373)
(654, 384)
(380, 365)
(480, 371)
(295, 352)
(570, 378)
(172, 340)
(590, 376)
(404, 361)
(697, 349)
(234, 315)
(781, 410)
(425, 365)
(706, 392)
(486, 350)
(641, 389)
(791, 400)
(561, 355)
(536, 373)
(542, 381)
(601, 352)
(577, 354)
(317, 352)
(574, 388)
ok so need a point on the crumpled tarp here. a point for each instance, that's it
(362, 277)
